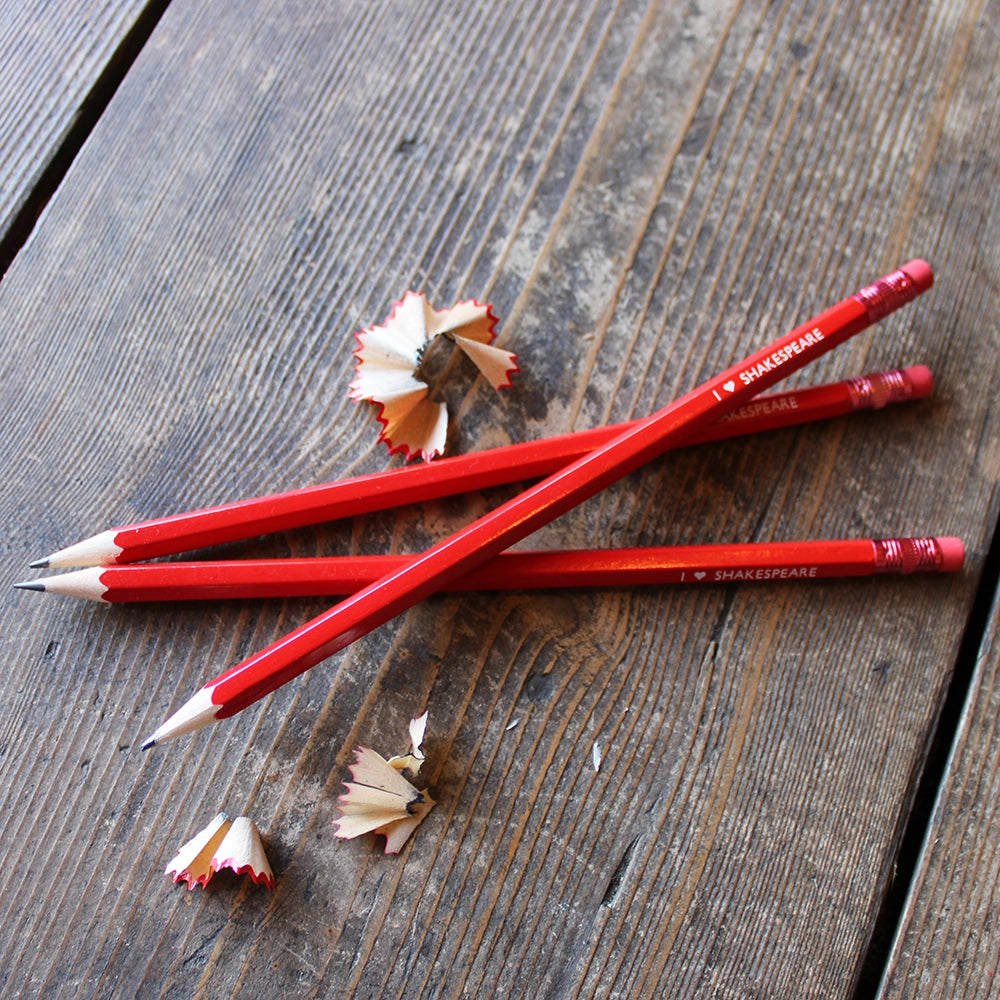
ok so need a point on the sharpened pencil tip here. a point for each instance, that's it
(40, 563)
(31, 585)
(146, 744)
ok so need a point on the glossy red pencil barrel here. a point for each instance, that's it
(485, 538)
(463, 473)
(521, 570)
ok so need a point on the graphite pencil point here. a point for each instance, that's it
(98, 550)
(31, 585)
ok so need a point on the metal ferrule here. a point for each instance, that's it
(906, 555)
(872, 392)
(887, 294)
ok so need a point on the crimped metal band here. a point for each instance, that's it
(887, 294)
(872, 392)
(906, 555)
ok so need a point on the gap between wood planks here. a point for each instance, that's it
(917, 823)
(89, 113)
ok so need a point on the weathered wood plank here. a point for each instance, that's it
(646, 192)
(56, 59)
(947, 940)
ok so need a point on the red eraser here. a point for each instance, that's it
(952, 554)
(921, 380)
(920, 272)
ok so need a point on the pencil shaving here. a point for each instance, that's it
(193, 862)
(389, 358)
(414, 757)
(397, 832)
(241, 851)
(380, 799)
(495, 363)
(412, 424)
(224, 843)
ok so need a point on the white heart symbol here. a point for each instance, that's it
(700, 576)
(729, 386)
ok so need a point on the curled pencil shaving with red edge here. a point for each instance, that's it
(224, 843)
(380, 799)
(389, 362)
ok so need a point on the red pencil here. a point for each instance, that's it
(478, 542)
(520, 570)
(461, 473)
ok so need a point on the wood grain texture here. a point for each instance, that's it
(646, 192)
(54, 55)
(947, 941)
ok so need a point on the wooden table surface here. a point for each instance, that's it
(202, 202)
